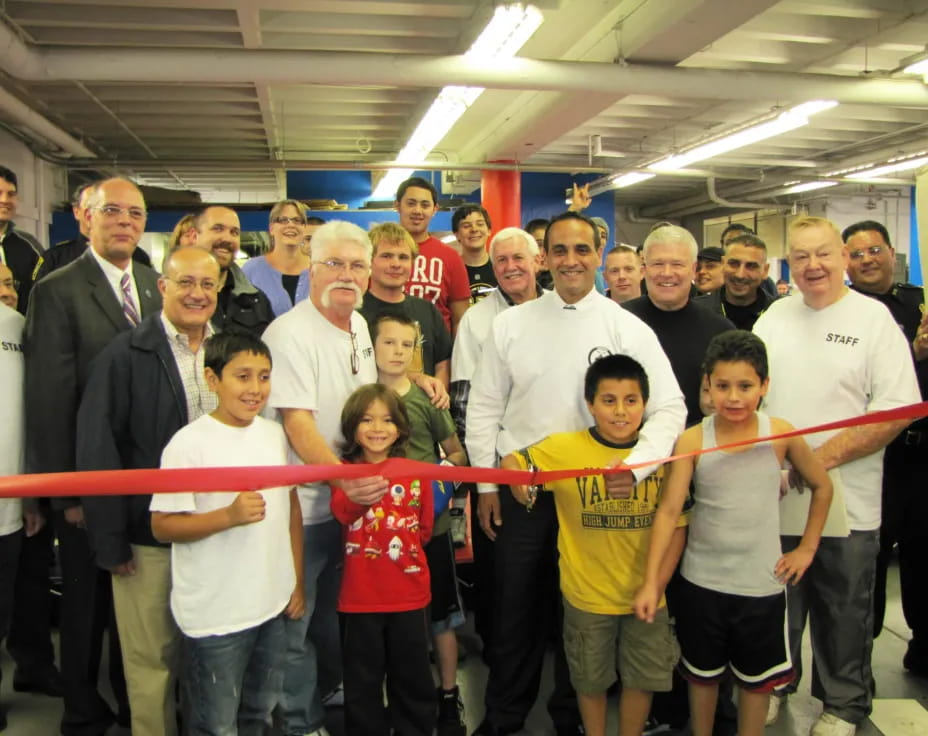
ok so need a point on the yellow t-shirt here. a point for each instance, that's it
(603, 542)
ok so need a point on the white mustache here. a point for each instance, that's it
(358, 294)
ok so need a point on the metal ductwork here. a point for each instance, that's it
(262, 66)
(20, 114)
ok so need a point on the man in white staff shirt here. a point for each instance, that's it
(836, 354)
(322, 352)
(529, 384)
(13, 511)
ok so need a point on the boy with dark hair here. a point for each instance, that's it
(731, 612)
(438, 273)
(601, 542)
(237, 558)
(394, 336)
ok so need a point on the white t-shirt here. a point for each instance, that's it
(12, 435)
(472, 334)
(243, 576)
(312, 370)
(834, 363)
(529, 382)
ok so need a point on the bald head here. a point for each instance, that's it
(8, 293)
(218, 230)
(188, 289)
(115, 218)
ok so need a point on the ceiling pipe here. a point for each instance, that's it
(39, 127)
(266, 66)
(182, 164)
(714, 197)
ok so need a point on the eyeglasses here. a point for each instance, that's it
(357, 268)
(873, 251)
(10, 284)
(114, 210)
(355, 361)
(282, 220)
(185, 284)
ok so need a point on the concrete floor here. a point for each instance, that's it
(900, 709)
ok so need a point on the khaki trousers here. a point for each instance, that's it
(150, 641)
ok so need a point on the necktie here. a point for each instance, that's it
(128, 305)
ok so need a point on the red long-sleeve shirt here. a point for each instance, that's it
(385, 565)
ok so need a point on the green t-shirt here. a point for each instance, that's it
(427, 427)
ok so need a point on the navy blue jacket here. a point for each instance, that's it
(133, 404)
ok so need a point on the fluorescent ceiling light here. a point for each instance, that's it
(919, 67)
(793, 118)
(809, 186)
(634, 177)
(508, 30)
(893, 166)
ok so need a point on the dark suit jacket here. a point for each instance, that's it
(133, 404)
(63, 253)
(72, 315)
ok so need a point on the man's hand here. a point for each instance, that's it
(247, 508)
(124, 569)
(920, 344)
(296, 606)
(521, 494)
(364, 491)
(74, 515)
(33, 521)
(620, 485)
(581, 198)
(434, 389)
(489, 514)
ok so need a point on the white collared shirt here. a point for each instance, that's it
(114, 276)
(190, 365)
(529, 378)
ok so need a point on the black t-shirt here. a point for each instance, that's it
(744, 317)
(684, 335)
(436, 340)
(482, 281)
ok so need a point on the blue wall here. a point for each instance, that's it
(542, 196)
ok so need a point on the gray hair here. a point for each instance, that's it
(508, 233)
(671, 235)
(335, 231)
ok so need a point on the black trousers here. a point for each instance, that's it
(527, 614)
(905, 475)
(30, 636)
(481, 578)
(86, 612)
(392, 646)
(9, 558)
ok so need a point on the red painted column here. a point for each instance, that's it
(501, 195)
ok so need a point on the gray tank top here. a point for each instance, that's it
(734, 534)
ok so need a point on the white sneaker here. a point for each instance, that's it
(829, 724)
(773, 709)
(319, 732)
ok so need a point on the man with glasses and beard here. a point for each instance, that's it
(239, 304)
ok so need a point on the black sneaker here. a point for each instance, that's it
(450, 713)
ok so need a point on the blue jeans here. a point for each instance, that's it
(234, 680)
(313, 666)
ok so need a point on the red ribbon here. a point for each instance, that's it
(198, 480)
